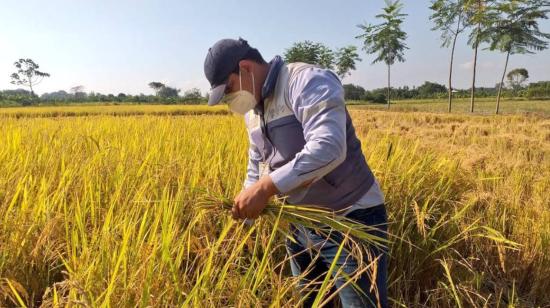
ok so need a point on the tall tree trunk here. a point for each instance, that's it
(502, 81)
(29, 78)
(451, 65)
(389, 86)
(473, 93)
(451, 73)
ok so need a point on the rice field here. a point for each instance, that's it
(114, 110)
(462, 105)
(123, 207)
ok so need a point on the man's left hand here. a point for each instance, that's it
(250, 202)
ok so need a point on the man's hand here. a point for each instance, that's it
(250, 202)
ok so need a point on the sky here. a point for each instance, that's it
(117, 46)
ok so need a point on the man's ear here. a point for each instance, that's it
(246, 65)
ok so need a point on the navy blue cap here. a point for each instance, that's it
(221, 60)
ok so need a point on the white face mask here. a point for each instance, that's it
(242, 101)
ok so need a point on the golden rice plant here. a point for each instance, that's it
(128, 211)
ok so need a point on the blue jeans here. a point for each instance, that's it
(313, 253)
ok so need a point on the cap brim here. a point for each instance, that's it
(216, 95)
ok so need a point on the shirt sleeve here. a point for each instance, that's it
(317, 100)
(252, 170)
(254, 158)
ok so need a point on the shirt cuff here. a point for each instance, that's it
(249, 183)
(285, 178)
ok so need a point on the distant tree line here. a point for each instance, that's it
(428, 90)
(22, 97)
(432, 90)
(28, 75)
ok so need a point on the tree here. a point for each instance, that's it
(121, 97)
(386, 40)
(430, 89)
(310, 52)
(516, 31)
(192, 94)
(78, 93)
(27, 74)
(168, 92)
(517, 77)
(326, 57)
(77, 89)
(345, 60)
(448, 17)
(318, 54)
(56, 96)
(539, 89)
(156, 86)
(353, 92)
(477, 18)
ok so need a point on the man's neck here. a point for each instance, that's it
(270, 76)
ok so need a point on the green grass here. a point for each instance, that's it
(462, 105)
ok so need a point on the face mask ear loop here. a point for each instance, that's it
(253, 85)
(240, 81)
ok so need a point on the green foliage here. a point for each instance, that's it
(539, 90)
(386, 40)
(157, 86)
(57, 96)
(168, 92)
(326, 57)
(448, 17)
(27, 74)
(15, 97)
(513, 26)
(193, 93)
(345, 60)
(354, 92)
(426, 90)
(479, 16)
(377, 98)
(310, 52)
(516, 77)
(23, 97)
(77, 89)
(342, 60)
(430, 89)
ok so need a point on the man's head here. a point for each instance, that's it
(232, 66)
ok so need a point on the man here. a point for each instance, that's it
(302, 145)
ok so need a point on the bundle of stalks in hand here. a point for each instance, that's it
(315, 218)
(354, 237)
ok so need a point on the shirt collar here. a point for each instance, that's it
(272, 74)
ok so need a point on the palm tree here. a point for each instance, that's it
(386, 40)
